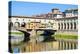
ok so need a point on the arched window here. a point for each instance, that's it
(17, 24)
(61, 25)
(67, 25)
(64, 25)
(71, 25)
(58, 26)
(74, 25)
(23, 24)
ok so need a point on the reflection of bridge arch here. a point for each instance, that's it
(17, 24)
(23, 24)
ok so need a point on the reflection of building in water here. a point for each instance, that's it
(63, 22)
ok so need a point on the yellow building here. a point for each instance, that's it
(33, 25)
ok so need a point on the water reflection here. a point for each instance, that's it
(48, 35)
(44, 41)
(16, 39)
(16, 50)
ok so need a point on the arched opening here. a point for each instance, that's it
(17, 24)
(58, 26)
(74, 25)
(10, 24)
(71, 25)
(64, 25)
(67, 25)
(23, 24)
(61, 25)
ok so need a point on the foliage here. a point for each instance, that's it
(65, 36)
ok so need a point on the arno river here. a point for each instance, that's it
(17, 44)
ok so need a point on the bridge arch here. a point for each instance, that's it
(17, 24)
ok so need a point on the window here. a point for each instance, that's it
(55, 15)
(67, 25)
(64, 25)
(74, 25)
(71, 26)
(58, 26)
(75, 12)
(61, 25)
(23, 19)
(16, 19)
(23, 24)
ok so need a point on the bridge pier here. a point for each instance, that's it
(33, 36)
(33, 33)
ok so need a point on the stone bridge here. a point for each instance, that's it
(33, 32)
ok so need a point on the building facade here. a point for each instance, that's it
(63, 22)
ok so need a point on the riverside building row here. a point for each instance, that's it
(63, 22)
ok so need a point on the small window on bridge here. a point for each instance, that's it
(23, 24)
